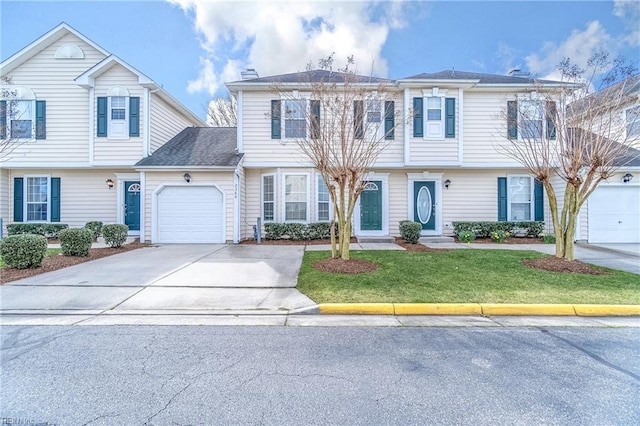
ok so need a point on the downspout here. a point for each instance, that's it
(405, 132)
(236, 205)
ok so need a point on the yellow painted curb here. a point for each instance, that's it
(606, 310)
(357, 308)
(526, 309)
(437, 309)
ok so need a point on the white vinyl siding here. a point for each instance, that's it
(632, 121)
(166, 122)
(5, 213)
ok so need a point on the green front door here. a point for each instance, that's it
(424, 202)
(371, 206)
(132, 205)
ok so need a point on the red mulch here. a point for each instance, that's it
(510, 240)
(351, 266)
(52, 263)
(556, 264)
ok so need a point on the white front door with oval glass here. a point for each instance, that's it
(424, 204)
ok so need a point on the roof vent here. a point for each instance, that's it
(517, 72)
(249, 74)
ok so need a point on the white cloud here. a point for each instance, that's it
(629, 12)
(282, 37)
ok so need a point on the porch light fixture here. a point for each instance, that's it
(110, 183)
(187, 177)
(447, 183)
(627, 178)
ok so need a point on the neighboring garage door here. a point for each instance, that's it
(614, 214)
(190, 214)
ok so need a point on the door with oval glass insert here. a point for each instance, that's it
(424, 202)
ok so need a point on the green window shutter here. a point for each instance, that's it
(102, 117)
(276, 112)
(134, 116)
(41, 119)
(55, 199)
(502, 198)
(18, 199)
(512, 119)
(551, 112)
(358, 119)
(538, 196)
(315, 119)
(417, 117)
(389, 119)
(3, 119)
(450, 117)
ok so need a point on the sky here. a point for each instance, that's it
(192, 47)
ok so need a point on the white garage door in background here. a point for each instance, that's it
(190, 214)
(614, 214)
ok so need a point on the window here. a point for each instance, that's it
(530, 119)
(434, 116)
(21, 116)
(295, 198)
(118, 125)
(295, 122)
(323, 201)
(367, 116)
(268, 198)
(118, 114)
(632, 118)
(520, 198)
(37, 198)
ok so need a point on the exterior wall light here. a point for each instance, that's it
(447, 183)
(187, 177)
(627, 178)
(110, 183)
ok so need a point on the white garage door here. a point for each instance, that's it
(190, 214)
(614, 215)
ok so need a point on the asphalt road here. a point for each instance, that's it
(166, 375)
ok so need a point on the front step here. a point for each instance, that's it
(436, 240)
(383, 239)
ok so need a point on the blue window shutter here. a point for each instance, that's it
(55, 199)
(18, 199)
(276, 112)
(358, 119)
(502, 198)
(315, 119)
(389, 119)
(417, 117)
(512, 119)
(450, 117)
(102, 117)
(538, 196)
(41, 119)
(134, 116)
(3, 119)
(550, 109)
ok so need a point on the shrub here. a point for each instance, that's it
(466, 236)
(23, 251)
(410, 231)
(115, 235)
(485, 229)
(274, 231)
(548, 238)
(499, 236)
(95, 227)
(75, 242)
(49, 230)
(298, 231)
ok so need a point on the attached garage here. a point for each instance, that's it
(190, 214)
(614, 214)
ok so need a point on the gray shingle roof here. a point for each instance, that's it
(197, 146)
(315, 76)
(484, 78)
(630, 159)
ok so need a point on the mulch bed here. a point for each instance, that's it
(292, 242)
(55, 262)
(416, 247)
(340, 266)
(556, 264)
(510, 240)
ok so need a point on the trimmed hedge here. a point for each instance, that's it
(49, 230)
(466, 236)
(96, 227)
(23, 251)
(115, 235)
(485, 229)
(410, 231)
(298, 231)
(75, 242)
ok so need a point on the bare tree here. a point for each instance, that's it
(8, 111)
(223, 112)
(347, 124)
(573, 136)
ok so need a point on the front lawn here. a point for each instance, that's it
(49, 252)
(459, 276)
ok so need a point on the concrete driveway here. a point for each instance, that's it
(167, 279)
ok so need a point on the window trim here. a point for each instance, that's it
(284, 196)
(532, 200)
(9, 118)
(319, 180)
(295, 96)
(25, 197)
(434, 92)
(110, 120)
(262, 200)
(541, 107)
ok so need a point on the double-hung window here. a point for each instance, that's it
(632, 120)
(118, 114)
(295, 118)
(118, 125)
(268, 198)
(324, 214)
(21, 116)
(434, 116)
(520, 205)
(296, 192)
(530, 119)
(37, 198)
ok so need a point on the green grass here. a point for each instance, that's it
(49, 252)
(462, 276)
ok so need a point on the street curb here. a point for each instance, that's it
(486, 309)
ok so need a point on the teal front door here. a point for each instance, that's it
(132, 205)
(371, 206)
(424, 202)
